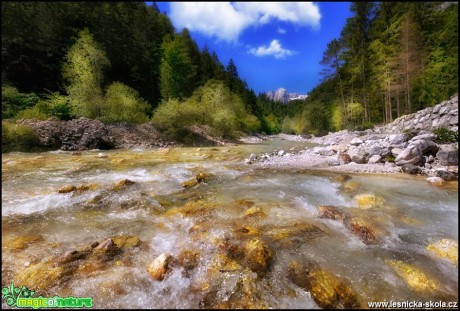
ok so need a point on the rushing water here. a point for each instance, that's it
(207, 218)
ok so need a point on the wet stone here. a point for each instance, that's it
(326, 289)
(160, 267)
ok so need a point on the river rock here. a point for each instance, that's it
(122, 184)
(375, 159)
(363, 230)
(435, 181)
(425, 146)
(126, 241)
(413, 276)
(411, 169)
(366, 200)
(189, 183)
(254, 211)
(22, 242)
(397, 139)
(356, 141)
(344, 158)
(359, 157)
(341, 178)
(410, 155)
(160, 267)
(204, 176)
(447, 156)
(446, 175)
(188, 259)
(258, 256)
(332, 212)
(326, 289)
(67, 189)
(445, 248)
(396, 151)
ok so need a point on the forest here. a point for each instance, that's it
(125, 62)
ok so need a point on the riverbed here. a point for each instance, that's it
(318, 244)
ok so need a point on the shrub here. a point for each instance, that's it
(445, 135)
(13, 101)
(122, 103)
(32, 113)
(212, 104)
(16, 137)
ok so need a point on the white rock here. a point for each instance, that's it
(356, 141)
(435, 181)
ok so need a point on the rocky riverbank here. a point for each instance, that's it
(381, 150)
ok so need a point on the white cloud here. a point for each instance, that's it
(274, 49)
(281, 30)
(226, 20)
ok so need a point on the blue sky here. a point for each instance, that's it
(273, 44)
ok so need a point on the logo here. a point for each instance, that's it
(22, 297)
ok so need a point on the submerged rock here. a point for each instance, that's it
(326, 289)
(445, 248)
(188, 259)
(413, 276)
(160, 267)
(67, 189)
(122, 184)
(332, 212)
(367, 200)
(258, 256)
(363, 230)
(22, 242)
(435, 181)
(341, 178)
(254, 211)
(189, 183)
(72, 264)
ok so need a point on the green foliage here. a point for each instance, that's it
(84, 70)
(13, 101)
(273, 124)
(35, 112)
(214, 105)
(337, 118)
(122, 103)
(355, 113)
(58, 105)
(445, 136)
(16, 137)
(176, 69)
(390, 158)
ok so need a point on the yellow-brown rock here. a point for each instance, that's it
(367, 200)
(22, 242)
(351, 186)
(189, 183)
(254, 211)
(325, 288)
(341, 178)
(203, 177)
(82, 188)
(67, 189)
(445, 248)
(413, 276)
(332, 212)
(244, 202)
(258, 256)
(160, 267)
(126, 241)
(363, 230)
(122, 184)
(188, 259)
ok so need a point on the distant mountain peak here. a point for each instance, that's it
(283, 96)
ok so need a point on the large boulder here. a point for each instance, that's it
(410, 155)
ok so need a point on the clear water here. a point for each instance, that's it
(414, 214)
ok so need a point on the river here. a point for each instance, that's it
(241, 237)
